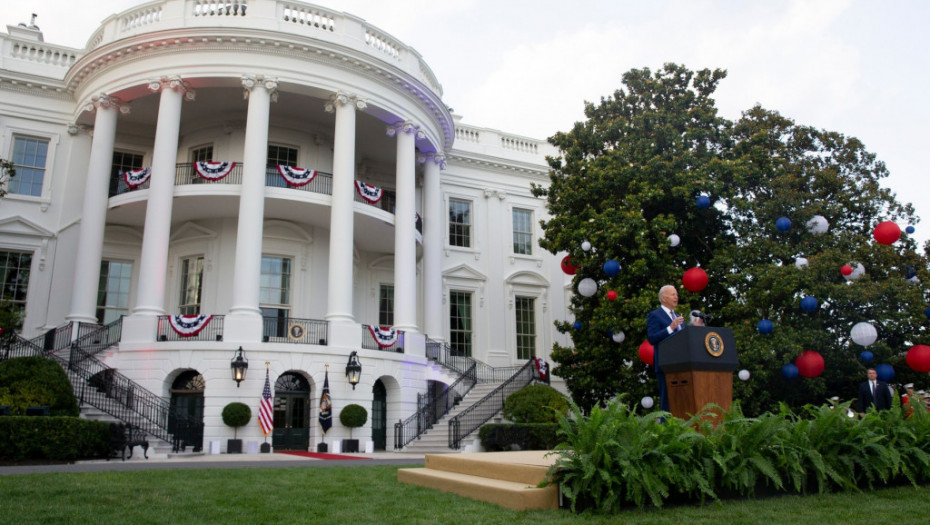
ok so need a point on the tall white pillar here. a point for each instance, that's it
(245, 317)
(432, 246)
(150, 299)
(94, 214)
(405, 242)
(342, 213)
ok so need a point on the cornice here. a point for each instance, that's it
(53, 90)
(498, 165)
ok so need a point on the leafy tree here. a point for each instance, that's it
(11, 321)
(7, 172)
(36, 381)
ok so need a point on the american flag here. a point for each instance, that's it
(265, 408)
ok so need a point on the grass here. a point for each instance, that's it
(363, 495)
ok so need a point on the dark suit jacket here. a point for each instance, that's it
(882, 400)
(657, 326)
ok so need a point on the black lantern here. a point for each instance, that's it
(239, 365)
(353, 369)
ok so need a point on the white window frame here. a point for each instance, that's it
(53, 139)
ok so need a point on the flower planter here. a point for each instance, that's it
(234, 446)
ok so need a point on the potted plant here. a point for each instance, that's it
(352, 416)
(236, 415)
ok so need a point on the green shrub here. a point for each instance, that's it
(353, 416)
(535, 404)
(11, 320)
(53, 438)
(236, 415)
(36, 381)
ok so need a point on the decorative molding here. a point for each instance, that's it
(405, 127)
(269, 83)
(433, 156)
(341, 98)
(174, 82)
(104, 101)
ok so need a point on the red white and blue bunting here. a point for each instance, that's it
(542, 369)
(136, 178)
(189, 325)
(385, 336)
(214, 170)
(296, 177)
(371, 194)
(417, 228)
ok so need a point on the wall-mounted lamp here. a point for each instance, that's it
(353, 369)
(239, 365)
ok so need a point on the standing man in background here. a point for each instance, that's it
(874, 393)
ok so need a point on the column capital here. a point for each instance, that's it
(269, 83)
(174, 82)
(405, 127)
(433, 156)
(341, 98)
(107, 102)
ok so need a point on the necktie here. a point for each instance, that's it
(674, 316)
(873, 389)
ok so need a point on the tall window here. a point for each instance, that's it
(460, 322)
(191, 285)
(202, 153)
(29, 157)
(14, 277)
(282, 155)
(113, 290)
(275, 294)
(522, 232)
(386, 305)
(123, 162)
(459, 223)
(526, 327)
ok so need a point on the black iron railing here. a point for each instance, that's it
(212, 332)
(369, 343)
(54, 339)
(481, 412)
(322, 183)
(294, 330)
(432, 409)
(446, 356)
(94, 339)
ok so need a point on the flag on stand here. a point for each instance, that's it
(326, 406)
(266, 408)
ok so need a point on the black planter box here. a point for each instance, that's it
(350, 445)
(266, 448)
(322, 447)
(234, 446)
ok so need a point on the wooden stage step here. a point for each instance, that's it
(508, 479)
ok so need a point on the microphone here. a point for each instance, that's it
(697, 314)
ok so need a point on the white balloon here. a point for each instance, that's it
(618, 336)
(674, 240)
(863, 334)
(647, 402)
(850, 413)
(743, 375)
(818, 224)
(858, 271)
(800, 262)
(586, 246)
(587, 287)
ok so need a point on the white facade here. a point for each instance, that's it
(175, 81)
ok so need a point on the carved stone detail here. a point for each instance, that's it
(341, 98)
(105, 101)
(405, 127)
(176, 83)
(269, 83)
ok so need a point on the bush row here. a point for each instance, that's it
(53, 438)
(614, 458)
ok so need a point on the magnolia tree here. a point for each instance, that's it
(7, 172)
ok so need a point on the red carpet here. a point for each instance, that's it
(318, 455)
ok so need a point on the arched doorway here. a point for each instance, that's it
(291, 413)
(185, 422)
(379, 416)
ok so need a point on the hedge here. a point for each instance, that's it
(53, 438)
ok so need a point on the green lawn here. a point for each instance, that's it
(362, 495)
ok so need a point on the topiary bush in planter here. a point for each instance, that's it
(352, 416)
(535, 404)
(236, 415)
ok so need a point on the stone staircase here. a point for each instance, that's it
(436, 439)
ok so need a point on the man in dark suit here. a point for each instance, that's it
(874, 393)
(661, 323)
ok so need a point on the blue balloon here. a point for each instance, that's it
(783, 224)
(867, 356)
(885, 372)
(703, 201)
(909, 272)
(927, 312)
(809, 304)
(910, 229)
(577, 325)
(789, 371)
(611, 268)
(765, 327)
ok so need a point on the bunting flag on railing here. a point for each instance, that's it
(417, 227)
(188, 325)
(296, 177)
(542, 369)
(136, 178)
(370, 193)
(214, 170)
(385, 336)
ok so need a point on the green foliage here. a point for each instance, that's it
(353, 416)
(36, 381)
(11, 320)
(7, 172)
(236, 415)
(53, 438)
(628, 176)
(518, 436)
(535, 404)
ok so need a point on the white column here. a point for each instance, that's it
(245, 318)
(150, 299)
(405, 243)
(342, 213)
(94, 214)
(432, 246)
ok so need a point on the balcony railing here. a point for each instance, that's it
(369, 343)
(212, 332)
(297, 331)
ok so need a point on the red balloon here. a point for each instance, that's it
(694, 279)
(567, 265)
(886, 232)
(846, 270)
(611, 295)
(647, 353)
(810, 364)
(918, 358)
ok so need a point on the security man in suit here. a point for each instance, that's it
(874, 393)
(661, 323)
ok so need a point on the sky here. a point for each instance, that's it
(858, 67)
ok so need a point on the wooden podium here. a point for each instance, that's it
(698, 362)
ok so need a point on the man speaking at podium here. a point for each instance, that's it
(661, 323)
